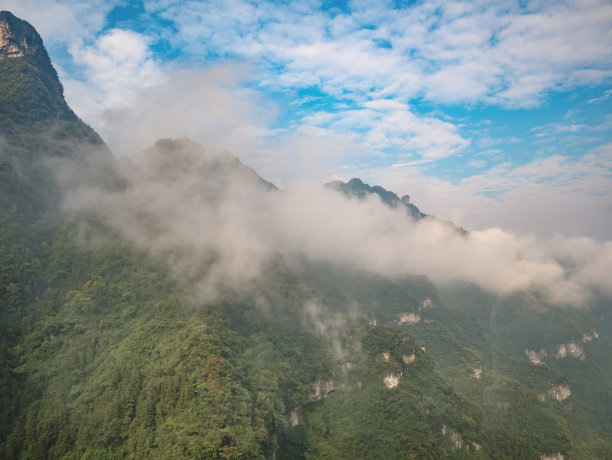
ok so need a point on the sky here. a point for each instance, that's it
(490, 114)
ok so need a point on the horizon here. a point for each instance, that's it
(486, 116)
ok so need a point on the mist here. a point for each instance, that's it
(217, 222)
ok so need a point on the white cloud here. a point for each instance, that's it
(447, 51)
(209, 219)
(63, 21)
(117, 66)
(208, 105)
(604, 97)
(386, 124)
(571, 125)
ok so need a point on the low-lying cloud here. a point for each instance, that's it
(215, 220)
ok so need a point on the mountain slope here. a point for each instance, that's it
(36, 124)
(31, 95)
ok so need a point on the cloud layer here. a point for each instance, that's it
(215, 222)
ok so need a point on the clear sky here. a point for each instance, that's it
(487, 113)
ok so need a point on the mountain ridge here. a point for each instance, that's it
(37, 127)
(31, 93)
(357, 188)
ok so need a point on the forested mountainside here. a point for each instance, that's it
(133, 327)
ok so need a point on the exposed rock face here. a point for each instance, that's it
(456, 440)
(536, 357)
(293, 418)
(570, 349)
(573, 348)
(392, 380)
(17, 38)
(8, 49)
(560, 392)
(557, 456)
(321, 390)
(425, 304)
(477, 373)
(408, 358)
(409, 318)
(557, 392)
(586, 337)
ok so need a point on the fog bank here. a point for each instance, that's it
(213, 218)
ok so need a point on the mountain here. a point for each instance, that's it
(141, 318)
(171, 159)
(358, 189)
(36, 124)
(31, 95)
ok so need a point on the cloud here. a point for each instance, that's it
(63, 21)
(133, 100)
(427, 137)
(449, 52)
(317, 145)
(117, 66)
(386, 125)
(601, 98)
(571, 126)
(215, 223)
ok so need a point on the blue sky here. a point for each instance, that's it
(487, 113)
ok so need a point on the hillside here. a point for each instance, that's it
(151, 307)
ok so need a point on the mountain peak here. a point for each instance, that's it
(358, 189)
(36, 123)
(31, 95)
(18, 38)
(173, 160)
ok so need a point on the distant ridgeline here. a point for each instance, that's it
(357, 189)
(106, 353)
